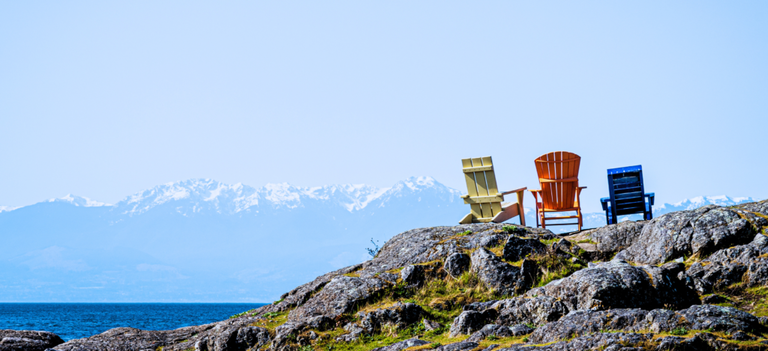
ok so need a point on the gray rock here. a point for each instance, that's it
(529, 271)
(458, 346)
(520, 329)
(517, 249)
(456, 264)
(467, 323)
(301, 294)
(400, 314)
(252, 337)
(617, 284)
(564, 248)
(536, 310)
(495, 273)
(736, 264)
(402, 345)
(614, 237)
(210, 337)
(699, 317)
(578, 323)
(412, 275)
(339, 296)
(436, 243)
(601, 341)
(700, 341)
(741, 336)
(354, 333)
(717, 318)
(430, 325)
(488, 330)
(700, 231)
(13, 340)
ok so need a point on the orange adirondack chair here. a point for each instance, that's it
(559, 179)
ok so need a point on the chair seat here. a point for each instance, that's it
(560, 210)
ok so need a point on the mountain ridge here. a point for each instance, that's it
(290, 196)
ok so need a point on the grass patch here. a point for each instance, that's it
(242, 314)
(753, 300)
(553, 267)
(271, 320)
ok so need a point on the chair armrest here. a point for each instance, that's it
(514, 191)
(604, 201)
(536, 196)
(650, 197)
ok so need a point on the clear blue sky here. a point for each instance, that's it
(103, 99)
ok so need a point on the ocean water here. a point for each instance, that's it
(80, 320)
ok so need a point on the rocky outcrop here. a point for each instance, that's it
(601, 341)
(130, 339)
(412, 275)
(339, 296)
(517, 249)
(614, 237)
(468, 322)
(742, 263)
(617, 284)
(536, 310)
(400, 315)
(402, 345)
(27, 340)
(456, 264)
(436, 243)
(500, 276)
(697, 232)
(699, 317)
(499, 331)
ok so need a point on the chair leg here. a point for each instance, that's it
(580, 223)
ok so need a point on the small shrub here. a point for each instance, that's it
(464, 233)
(525, 339)
(511, 229)
(435, 345)
(270, 314)
(277, 302)
(492, 337)
(679, 331)
(306, 348)
(375, 250)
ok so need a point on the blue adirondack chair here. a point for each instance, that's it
(627, 194)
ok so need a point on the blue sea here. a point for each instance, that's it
(80, 320)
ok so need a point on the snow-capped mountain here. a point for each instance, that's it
(699, 201)
(7, 208)
(201, 195)
(79, 201)
(203, 240)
